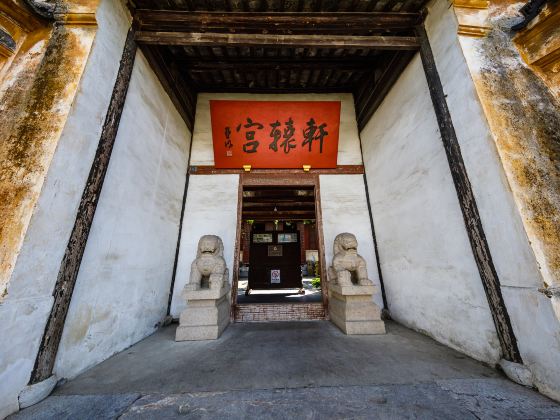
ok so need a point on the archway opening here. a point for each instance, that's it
(279, 275)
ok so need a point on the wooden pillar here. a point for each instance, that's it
(304, 240)
(467, 202)
(246, 242)
(70, 265)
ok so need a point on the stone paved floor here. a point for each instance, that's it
(292, 370)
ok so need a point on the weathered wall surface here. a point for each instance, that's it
(431, 279)
(349, 143)
(504, 117)
(37, 92)
(344, 209)
(25, 308)
(211, 209)
(123, 286)
(511, 155)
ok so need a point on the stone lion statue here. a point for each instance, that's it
(209, 267)
(348, 268)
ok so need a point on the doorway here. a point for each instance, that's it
(279, 258)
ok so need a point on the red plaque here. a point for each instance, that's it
(275, 134)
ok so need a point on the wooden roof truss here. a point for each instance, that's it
(277, 46)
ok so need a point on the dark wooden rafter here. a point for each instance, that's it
(281, 215)
(340, 73)
(280, 46)
(265, 202)
(376, 42)
(282, 88)
(372, 94)
(306, 6)
(273, 203)
(70, 265)
(469, 208)
(277, 191)
(180, 92)
(265, 205)
(371, 79)
(252, 64)
(282, 23)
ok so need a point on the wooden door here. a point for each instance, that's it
(275, 260)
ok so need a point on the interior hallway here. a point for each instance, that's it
(292, 370)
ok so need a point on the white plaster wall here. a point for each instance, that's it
(536, 327)
(344, 209)
(123, 285)
(349, 142)
(431, 279)
(515, 262)
(24, 312)
(211, 209)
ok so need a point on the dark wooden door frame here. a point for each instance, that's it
(279, 178)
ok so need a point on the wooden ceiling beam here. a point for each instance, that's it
(371, 58)
(342, 64)
(278, 201)
(180, 93)
(255, 191)
(266, 22)
(276, 89)
(269, 40)
(278, 195)
(271, 200)
(277, 188)
(269, 218)
(377, 91)
(271, 204)
(278, 214)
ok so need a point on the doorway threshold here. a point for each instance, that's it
(264, 312)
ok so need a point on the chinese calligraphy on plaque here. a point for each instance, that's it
(275, 134)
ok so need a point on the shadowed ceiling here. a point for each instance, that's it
(278, 46)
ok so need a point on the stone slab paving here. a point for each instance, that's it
(70, 407)
(450, 399)
(500, 399)
(472, 399)
(276, 355)
(292, 370)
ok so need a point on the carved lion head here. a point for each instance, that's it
(345, 242)
(210, 245)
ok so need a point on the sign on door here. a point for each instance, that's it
(274, 276)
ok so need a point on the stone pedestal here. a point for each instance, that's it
(206, 316)
(352, 310)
